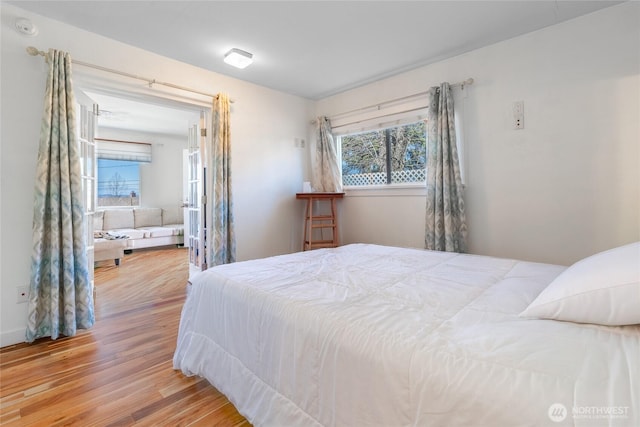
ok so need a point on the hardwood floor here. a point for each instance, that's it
(119, 372)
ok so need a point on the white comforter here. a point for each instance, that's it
(366, 335)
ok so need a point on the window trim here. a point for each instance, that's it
(389, 190)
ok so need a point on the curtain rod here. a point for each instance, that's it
(462, 84)
(35, 52)
(411, 110)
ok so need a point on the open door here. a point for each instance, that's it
(86, 114)
(195, 218)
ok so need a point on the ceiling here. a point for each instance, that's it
(130, 115)
(312, 49)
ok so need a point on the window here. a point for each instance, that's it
(119, 171)
(118, 182)
(395, 155)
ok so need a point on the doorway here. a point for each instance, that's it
(165, 125)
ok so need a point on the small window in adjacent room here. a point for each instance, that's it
(118, 171)
(394, 155)
(118, 183)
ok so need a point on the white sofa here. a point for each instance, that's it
(137, 228)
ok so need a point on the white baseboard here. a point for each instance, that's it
(12, 337)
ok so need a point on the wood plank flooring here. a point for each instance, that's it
(118, 373)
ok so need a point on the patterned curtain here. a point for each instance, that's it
(60, 297)
(326, 173)
(446, 228)
(221, 239)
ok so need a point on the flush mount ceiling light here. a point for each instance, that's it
(238, 58)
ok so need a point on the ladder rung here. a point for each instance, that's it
(323, 225)
(315, 217)
(323, 243)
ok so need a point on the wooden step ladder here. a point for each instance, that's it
(314, 225)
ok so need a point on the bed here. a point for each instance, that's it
(368, 335)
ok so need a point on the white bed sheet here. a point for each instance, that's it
(366, 335)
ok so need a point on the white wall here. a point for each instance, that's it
(161, 180)
(268, 168)
(566, 186)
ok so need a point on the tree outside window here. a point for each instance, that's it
(118, 183)
(393, 155)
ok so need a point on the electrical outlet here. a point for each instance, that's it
(518, 115)
(23, 294)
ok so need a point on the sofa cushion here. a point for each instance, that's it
(158, 231)
(115, 219)
(98, 218)
(177, 229)
(172, 215)
(147, 217)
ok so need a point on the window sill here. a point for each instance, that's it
(390, 190)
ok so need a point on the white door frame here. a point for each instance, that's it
(86, 122)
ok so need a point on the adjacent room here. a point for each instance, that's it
(141, 156)
(388, 213)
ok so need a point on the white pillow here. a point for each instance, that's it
(603, 289)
